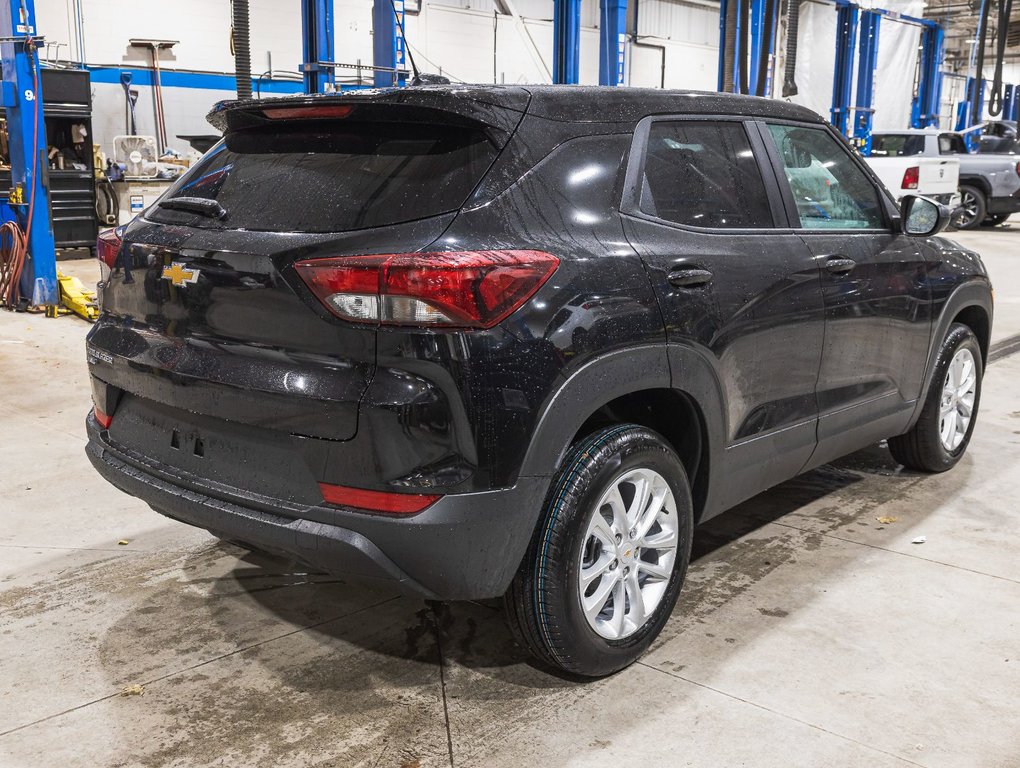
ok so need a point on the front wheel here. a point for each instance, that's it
(940, 437)
(609, 556)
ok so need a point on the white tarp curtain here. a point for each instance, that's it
(897, 61)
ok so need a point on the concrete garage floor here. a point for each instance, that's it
(808, 634)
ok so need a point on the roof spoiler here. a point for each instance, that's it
(493, 106)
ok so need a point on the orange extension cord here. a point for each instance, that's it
(14, 240)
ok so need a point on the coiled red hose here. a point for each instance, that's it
(13, 248)
(14, 239)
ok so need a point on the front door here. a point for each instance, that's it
(875, 289)
(733, 286)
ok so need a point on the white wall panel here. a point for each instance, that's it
(458, 36)
(676, 20)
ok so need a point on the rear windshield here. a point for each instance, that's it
(316, 176)
(896, 145)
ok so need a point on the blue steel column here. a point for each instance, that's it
(317, 43)
(924, 111)
(1009, 101)
(612, 41)
(566, 41)
(22, 99)
(846, 33)
(867, 60)
(384, 42)
(758, 9)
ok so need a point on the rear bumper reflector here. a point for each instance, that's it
(376, 501)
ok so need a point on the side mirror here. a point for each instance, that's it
(922, 217)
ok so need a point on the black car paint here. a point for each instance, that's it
(247, 364)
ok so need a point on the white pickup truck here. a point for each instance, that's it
(989, 183)
(900, 161)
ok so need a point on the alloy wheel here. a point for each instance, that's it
(628, 554)
(968, 211)
(957, 405)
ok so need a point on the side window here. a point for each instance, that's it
(703, 174)
(952, 144)
(896, 145)
(830, 190)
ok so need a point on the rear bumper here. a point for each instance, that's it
(463, 547)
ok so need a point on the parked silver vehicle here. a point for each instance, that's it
(989, 183)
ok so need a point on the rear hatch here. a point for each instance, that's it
(202, 308)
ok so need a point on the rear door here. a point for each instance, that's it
(734, 284)
(875, 288)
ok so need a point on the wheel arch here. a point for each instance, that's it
(669, 389)
(969, 303)
(978, 182)
(672, 413)
(976, 317)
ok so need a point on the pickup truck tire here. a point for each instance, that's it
(954, 393)
(994, 219)
(973, 208)
(575, 582)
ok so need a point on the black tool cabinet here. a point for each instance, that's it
(67, 101)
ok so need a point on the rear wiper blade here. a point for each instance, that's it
(201, 205)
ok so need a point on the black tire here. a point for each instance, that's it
(921, 448)
(994, 219)
(543, 604)
(973, 208)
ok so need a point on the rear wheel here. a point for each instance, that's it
(609, 556)
(973, 208)
(940, 437)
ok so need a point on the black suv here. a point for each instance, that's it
(516, 342)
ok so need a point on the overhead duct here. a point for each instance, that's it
(790, 66)
(241, 41)
(730, 45)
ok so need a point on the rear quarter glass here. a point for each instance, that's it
(336, 175)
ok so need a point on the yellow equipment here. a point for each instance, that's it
(76, 298)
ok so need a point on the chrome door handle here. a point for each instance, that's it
(839, 265)
(689, 278)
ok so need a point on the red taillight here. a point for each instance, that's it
(108, 246)
(376, 501)
(1018, 169)
(910, 177)
(459, 289)
(103, 418)
(318, 111)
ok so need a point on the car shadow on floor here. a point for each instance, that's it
(474, 635)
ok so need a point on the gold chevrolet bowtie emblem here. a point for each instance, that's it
(180, 275)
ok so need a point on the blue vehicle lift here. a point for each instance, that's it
(867, 61)
(842, 79)
(388, 51)
(566, 41)
(1011, 102)
(761, 38)
(612, 41)
(969, 111)
(22, 99)
(924, 110)
(317, 44)
(925, 105)
(747, 48)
